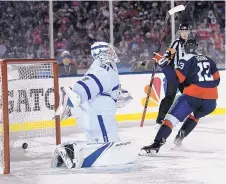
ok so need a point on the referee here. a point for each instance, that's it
(174, 52)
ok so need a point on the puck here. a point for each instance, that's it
(25, 145)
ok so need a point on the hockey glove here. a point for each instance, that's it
(163, 62)
(170, 53)
(157, 57)
(160, 60)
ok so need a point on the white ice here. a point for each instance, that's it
(201, 160)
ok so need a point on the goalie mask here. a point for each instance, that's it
(104, 52)
(190, 46)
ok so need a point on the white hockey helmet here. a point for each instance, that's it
(104, 52)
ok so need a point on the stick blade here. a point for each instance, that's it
(176, 9)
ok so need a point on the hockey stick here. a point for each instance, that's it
(169, 13)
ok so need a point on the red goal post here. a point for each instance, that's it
(29, 97)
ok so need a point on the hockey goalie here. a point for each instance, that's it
(93, 102)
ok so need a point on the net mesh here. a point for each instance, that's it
(31, 109)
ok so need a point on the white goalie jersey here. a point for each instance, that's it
(100, 83)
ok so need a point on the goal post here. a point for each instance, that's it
(29, 96)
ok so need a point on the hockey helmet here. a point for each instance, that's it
(190, 46)
(104, 52)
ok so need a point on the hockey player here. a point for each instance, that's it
(174, 53)
(201, 77)
(93, 102)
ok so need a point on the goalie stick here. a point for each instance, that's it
(169, 13)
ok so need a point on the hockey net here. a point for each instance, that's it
(28, 99)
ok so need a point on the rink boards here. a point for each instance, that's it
(40, 113)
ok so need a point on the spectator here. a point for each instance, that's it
(66, 64)
(77, 24)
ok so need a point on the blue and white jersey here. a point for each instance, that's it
(98, 88)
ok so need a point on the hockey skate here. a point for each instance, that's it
(179, 138)
(152, 149)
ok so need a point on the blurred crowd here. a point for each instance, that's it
(24, 29)
(207, 22)
(138, 26)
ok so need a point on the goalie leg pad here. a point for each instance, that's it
(109, 154)
(88, 154)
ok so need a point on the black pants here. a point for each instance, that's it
(167, 101)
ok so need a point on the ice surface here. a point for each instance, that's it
(201, 160)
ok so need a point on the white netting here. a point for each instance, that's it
(31, 109)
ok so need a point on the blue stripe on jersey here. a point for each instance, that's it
(99, 47)
(86, 89)
(115, 88)
(89, 160)
(102, 127)
(97, 81)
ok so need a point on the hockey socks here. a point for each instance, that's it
(189, 125)
(164, 131)
(186, 128)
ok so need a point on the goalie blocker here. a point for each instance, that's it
(76, 155)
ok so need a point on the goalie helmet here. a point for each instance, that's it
(190, 46)
(104, 52)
